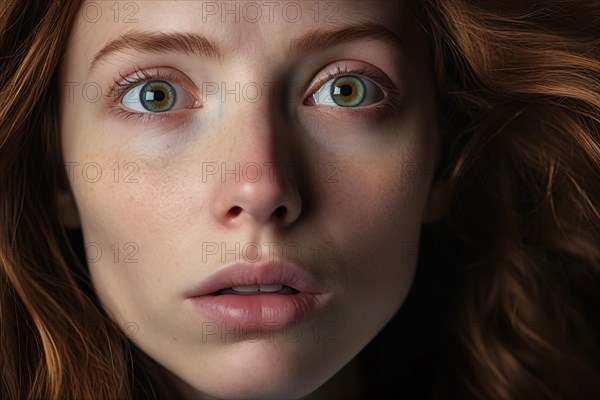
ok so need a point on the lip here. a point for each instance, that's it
(259, 311)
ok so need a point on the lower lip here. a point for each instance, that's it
(259, 311)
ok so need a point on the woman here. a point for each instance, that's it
(229, 200)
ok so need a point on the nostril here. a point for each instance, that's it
(280, 212)
(234, 211)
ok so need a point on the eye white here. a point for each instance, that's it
(323, 96)
(132, 100)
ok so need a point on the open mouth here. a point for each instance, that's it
(257, 289)
(259, 296)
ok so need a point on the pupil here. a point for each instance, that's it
(346, 90)
(159, 95)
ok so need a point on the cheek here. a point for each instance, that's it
(377, 206)
(132, 216)
(378, 200)
(137, 198)
(379, 197)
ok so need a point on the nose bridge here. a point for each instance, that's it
(252, 185)
(256, 147)
(254, 132)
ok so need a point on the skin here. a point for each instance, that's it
(365, 208)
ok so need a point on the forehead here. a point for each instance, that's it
(251, 28)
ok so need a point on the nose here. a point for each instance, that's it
(253, 186)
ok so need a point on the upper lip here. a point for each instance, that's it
(250, 274)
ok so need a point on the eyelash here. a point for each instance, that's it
(388, 106)
(118, 90)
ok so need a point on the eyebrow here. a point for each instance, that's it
(325, 38)
(150, 42)
(193, 43)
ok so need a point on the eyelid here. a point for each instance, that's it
(351, 67)
(140, 76)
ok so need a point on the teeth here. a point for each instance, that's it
(270, 288)
(257, 288)
(246, 289)
(254, 289)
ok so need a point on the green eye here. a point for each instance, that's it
(348, 91)
(157, 96)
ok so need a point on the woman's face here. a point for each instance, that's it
(271, 145)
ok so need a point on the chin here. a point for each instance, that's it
(248, 384)
(253, 371)
(264, 391)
